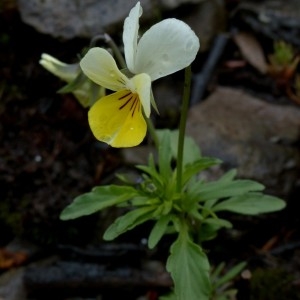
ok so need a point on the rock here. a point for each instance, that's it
(278, 20)
(256, 137)
(207, 20)
(75, 277)
(170, 4)
(88, 18)
(81, 18)
(11, 285)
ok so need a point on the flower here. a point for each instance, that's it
(167, 47)
(82, 88)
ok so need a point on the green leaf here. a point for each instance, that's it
(210, 228)
(151, 170)
(75, 84)
(191, 151)
(197, 166)
(128, 222)
(189, 268)
(170, 296)
(101, 197)
(228, 176)
(216, 272)
(233, 272)
(218, 222)
(224, 189)
(165, 155)
(158, 231)
(251, 204)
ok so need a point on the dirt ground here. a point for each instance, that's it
(48, 156)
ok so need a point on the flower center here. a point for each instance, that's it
(130, 100)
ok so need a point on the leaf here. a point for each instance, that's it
(233, 272)
(191, 151)
(217, 271)
(189, 268)
(218, 222)
(9, 259)
(99, 198)
(151, 170)
(128, 222)
(73, 85)
(251, 50)
(210, 227)
(224, 189)
(158, 231)
(170, 296)
(197, 166)
(165, 155)
(251, 204)
(228, 176)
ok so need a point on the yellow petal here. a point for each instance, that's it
(117, 119)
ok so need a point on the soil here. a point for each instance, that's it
(48, 156)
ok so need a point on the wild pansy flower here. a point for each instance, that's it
(83, 89)
(168, 46)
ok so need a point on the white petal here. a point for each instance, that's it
(130, 35)
(142, 86)
(165, 48)
(100, 67)
(66, 72)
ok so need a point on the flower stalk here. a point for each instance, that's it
(182, 124)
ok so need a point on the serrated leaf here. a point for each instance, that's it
(158, 231)
(251, 204)
(101, 197)
(128, 222)
(189, 268)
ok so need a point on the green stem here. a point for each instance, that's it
(152, 131)
(116, 50)
(182, 125)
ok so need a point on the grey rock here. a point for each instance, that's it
(78, 18)
(251, 135)
(276, 19)
(170, 4)
(207, 19)
(11, 285)
(23, 246)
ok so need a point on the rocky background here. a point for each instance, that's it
(244, 110)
